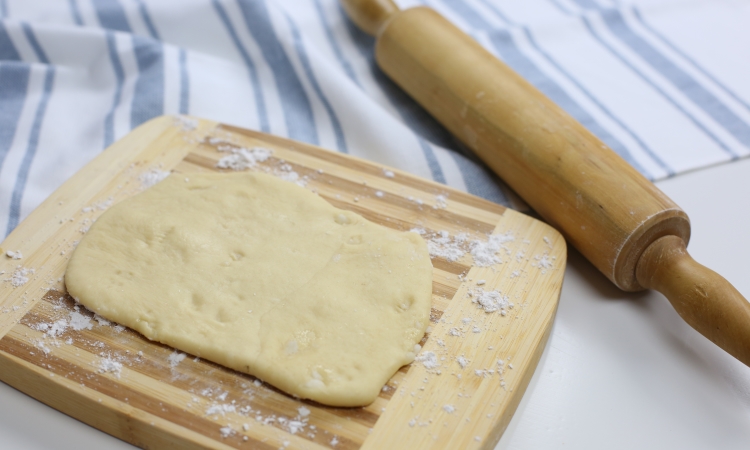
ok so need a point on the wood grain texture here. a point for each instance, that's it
(706, 301)
(603, 206)
(152, 401)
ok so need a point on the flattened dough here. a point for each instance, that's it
(261, 276)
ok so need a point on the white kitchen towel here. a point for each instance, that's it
(662, 82)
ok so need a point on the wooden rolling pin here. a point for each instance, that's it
(621, 222)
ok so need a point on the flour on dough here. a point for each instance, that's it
(261, 276)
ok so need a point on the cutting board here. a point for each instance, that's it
(147, 394)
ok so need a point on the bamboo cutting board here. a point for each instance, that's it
(149, 395)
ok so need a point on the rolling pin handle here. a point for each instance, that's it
(369, 15)
(703, 298)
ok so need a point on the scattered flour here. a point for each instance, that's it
(101, 320)
(450, 409)
(20, 276)
(428, 359)
(453, 247)
(220, 409)
(185, 123)
(287, 173)
(107, 364)
(543, 262)
(447, 247)
(56, 329)
(243, 158)
(490, 301)
(484, 373)
(485, 252)
(175, 358)
(14, 255)
(80, 322)
(152, 177)
(101, 206)
(441, 201)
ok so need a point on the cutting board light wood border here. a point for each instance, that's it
(157, 401)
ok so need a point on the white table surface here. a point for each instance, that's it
(621, 371)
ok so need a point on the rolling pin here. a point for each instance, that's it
(623, 224)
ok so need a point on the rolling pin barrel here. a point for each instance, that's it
(603, 206)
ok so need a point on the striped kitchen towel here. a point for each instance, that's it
(662, 82)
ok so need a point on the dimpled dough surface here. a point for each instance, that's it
(261, 276)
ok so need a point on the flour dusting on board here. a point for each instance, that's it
(452, 248)
(79, 322)
(544, 262)
(20, 276)
(485, 253)
(152, 177)
(490, 301)
(175, 358)
(107, 364)
(428, 359)
(185, 123)
(243, 158)
(63, 325)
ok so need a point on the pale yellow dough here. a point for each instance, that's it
(261, 276)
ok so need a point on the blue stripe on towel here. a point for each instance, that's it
(119, 72)
(28, 157)
(14, 83)
(38, 50)
(345, 64)
(33, 143)
(254, 80)
(690, 88)
(298, 115)
(184, 83)
(299, 46)
(720, 143)
(478, 179)
(8, 50)
(111, 15)
(413, 115)
(689, 59)
(75, 12)
(148, 96)
(587, 4)
(147, 19)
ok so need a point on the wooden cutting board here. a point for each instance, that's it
(144, 393)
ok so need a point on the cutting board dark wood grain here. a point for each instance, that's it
(143, 392)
